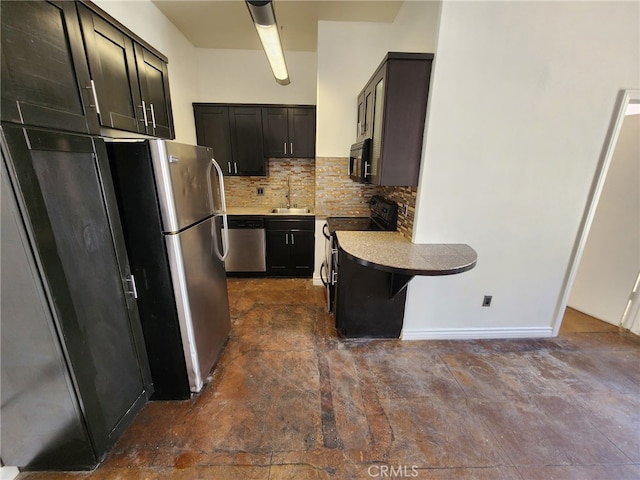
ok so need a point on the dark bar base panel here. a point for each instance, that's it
(364, 308)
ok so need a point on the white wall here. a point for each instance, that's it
(208, 75)
(144, 19)
(244, 76)
(521, 98)
(349, 53)
(611, 258)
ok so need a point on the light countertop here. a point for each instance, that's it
(260, 210)
(392, 252)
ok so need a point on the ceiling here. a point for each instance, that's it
(227, 23)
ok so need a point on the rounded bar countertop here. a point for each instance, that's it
(391, 252)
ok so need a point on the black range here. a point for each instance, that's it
(384, 217)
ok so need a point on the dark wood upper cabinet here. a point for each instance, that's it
(213, 130)
(365, 114)
(302, 132)
(131, 82)
(112, 64)
(243, 136)
(289, 131)
(394, 110)
(276, 135)
(45, 78)
(234, 132)
(246, 141)
(154, 88)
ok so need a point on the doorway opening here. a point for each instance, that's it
(602, 277)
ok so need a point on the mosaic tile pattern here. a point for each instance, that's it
(242, 191)
(403, 196)
(322, 185)
(336, 194)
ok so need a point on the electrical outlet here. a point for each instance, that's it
(260, 190)
(405, 209)
(487, 301)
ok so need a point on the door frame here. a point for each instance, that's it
(625, 98)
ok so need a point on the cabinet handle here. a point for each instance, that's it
(286, 239)
(291, 148)
(229, 165)
(292, 241)
(285, 147)
(95, 105)
(132, 280)
(153, 116)
(366, 170)
(144, 114)
(235, 167)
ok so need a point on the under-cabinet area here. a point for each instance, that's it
(275, 245)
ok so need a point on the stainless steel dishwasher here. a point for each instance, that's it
(246, 245)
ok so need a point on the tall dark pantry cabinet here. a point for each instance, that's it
(73, 360)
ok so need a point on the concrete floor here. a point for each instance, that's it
(289, 400)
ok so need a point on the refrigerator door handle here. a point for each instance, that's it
(222, 212)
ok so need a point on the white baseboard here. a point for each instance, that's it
(476, 333)
(317, 282)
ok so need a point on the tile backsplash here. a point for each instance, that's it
(403, 196)
(336, 193)
(243, 191)
(322, 184)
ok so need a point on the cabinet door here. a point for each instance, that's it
(246, 141)
(45, 79)
(44, 429)
(212, 130)
(278, 252)
(368, 112)
(64, 185)
(377, 126)
(302, 248)
(276, 137)
(302, 132)
(360, 124)
(112, 64)
(154, 89)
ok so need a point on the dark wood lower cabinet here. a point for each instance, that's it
(365, 306)
(290, 246)
(72, 234)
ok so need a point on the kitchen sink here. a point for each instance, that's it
(291, 211)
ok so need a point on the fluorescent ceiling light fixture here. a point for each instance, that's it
(264, 20)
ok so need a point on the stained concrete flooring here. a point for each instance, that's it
(289, 400)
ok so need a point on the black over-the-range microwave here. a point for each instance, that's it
(360, 161)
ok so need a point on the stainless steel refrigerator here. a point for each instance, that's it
(172, 205)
